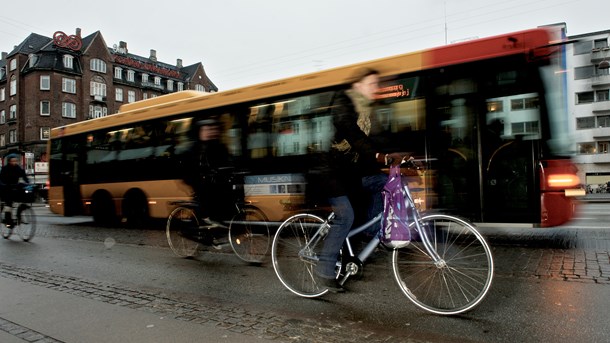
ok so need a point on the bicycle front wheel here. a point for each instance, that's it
(249, 235)
(26, 222)
(459, 280)
(181, 230)
(293, 264)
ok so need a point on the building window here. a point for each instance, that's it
(2, 94)
(131, 75)
(12, 136)
(45, 82)
(144, 78)
(13, 64)
(585, 123)
(157, 81)
(585, 72)
(68, 61)
(68, 110)
(200, 88)
(586, 148)
(603, 121)
(68, 85)
(602, 147)
(584, 97)
(12, 112)
(602, 95)
(98, 89)
(98, 65)
(97, 111)
(2, 139)
(2, 117)
(118, 94)
(118, 73)
(13, 86)
(600, 43)
(144, 96)
(131, 96)
(180, 86)
(583, 47)
(495, 106)
(45, 133)
(170, 85)
(45, 108)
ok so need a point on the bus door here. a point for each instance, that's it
(509, 151)
(64, 174)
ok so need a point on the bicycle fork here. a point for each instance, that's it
(307, 253)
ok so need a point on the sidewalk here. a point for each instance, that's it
(30, 313)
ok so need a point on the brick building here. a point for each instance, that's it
(53, 81)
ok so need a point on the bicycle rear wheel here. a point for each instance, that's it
(6, 231)
(294, 267)
(453, 285)
(26, 222)
(249, 235)
(181, 229)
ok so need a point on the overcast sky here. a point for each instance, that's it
(242, 42)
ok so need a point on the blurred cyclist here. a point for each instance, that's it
(11, 177)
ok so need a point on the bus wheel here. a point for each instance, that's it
(135, 209)
(102, 209)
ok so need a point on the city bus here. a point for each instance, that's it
(488, 117)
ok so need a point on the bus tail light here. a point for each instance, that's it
(562, 181)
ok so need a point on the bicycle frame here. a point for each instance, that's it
(365, 253)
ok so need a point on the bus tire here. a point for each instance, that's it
(135, 208)
(102, 208)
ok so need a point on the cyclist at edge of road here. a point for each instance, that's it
(354, 162)
(12, 180)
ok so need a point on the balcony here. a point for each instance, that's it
(601, 132)
(152, 85)
(600, 54)
(600, 81)
(600, 106)
(592, 158)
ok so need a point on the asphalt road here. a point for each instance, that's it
(537, 295)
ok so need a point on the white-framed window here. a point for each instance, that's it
(98, 88)
(2, 117)
(68, 61)
(144, 95)
(144, 77)
(118, 73)
(200, 88)
(131, 75)
(180, 86)
(2, 94)
(2, 139)
(131, 96)
(97, 111)
(98, 65)
(157, 81)
(45, 82)
(13, 64)
(45, 133)
(118, 94)
(68, 85)
(68, 110)
(12, 112)
(12, 136)
(170, 85)
(13, 86)
(45, 108)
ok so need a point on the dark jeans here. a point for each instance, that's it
(344, 218)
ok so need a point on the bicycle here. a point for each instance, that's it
(446, 269)
(248, 231)
(22, 218)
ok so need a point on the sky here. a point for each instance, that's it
(244, 42)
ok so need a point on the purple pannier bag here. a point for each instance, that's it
(395, 232)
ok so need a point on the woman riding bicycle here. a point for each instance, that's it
(353, 163)
(12, 179)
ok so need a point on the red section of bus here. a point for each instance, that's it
(516, 43)
(555, 207)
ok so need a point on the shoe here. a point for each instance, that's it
(210, 224)
(332, 285)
